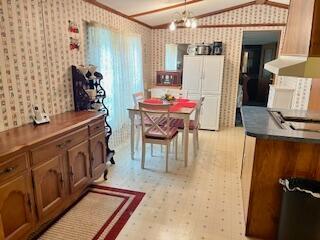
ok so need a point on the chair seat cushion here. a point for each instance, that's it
(155, 133)
(178, 123)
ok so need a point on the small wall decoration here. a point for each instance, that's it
(74, 43)
(73, 27)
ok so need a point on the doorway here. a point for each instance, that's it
(258, 48)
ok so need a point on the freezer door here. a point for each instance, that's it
(212, 74)
(210, 113)
(192, 73)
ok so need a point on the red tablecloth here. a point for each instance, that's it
(153, 101)
(176, 105)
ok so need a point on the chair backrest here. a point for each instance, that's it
(155, 119)
(198, 111)
(138, 97)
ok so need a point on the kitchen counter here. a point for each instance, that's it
(259, 123)
(272, 152)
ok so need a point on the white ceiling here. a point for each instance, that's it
(132, 7)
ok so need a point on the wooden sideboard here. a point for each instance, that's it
(45, 169)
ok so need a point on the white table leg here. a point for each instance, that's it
(186, 139)
(131, 116)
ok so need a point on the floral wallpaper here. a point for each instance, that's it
(35, 56)
(232, 40)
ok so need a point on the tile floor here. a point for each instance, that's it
(202, 201)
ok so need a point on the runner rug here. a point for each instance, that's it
(101, 214)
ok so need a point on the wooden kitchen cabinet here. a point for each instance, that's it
(49, 186)
(16, 211)
(302, 37)
(98, 155)
(45, 169)
(79, 166)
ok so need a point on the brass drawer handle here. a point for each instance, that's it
(7, 170)
(61, 145)
(97, 127)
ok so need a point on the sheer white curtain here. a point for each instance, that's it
(171, 57)
(118, 56)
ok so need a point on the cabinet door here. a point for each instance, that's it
(192, 73)
(16, 212)
(79, 166)
(212, 74)
(98, 155)
(209, 118)
(49, 186)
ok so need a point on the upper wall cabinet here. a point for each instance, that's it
(303, 29)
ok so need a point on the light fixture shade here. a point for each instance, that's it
(188, 23)
(172, 26)
(194, 23)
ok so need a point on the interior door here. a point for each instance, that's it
(212, 74)
(79, 166)
(49, 186)
(16, 212)
(268, 53)
(210, 112)
(98, 155)
(192, 73)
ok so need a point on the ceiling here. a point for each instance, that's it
(198, 7)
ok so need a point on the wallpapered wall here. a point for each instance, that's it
(35, 58)
(232, 39)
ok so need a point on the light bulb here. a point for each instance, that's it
(172, 26)
(188, 23)
(194, 23)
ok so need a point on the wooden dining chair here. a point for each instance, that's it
(160, 131)
(194, 126)
(137, 97)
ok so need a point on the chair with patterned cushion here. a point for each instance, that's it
(160, 131)
(194, 125)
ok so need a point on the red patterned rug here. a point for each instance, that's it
(101, 214)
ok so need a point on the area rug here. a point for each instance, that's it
(101, 214)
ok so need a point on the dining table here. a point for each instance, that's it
(180, 109)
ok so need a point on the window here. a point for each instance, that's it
(118, 56)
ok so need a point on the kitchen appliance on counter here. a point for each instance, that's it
(216, 48)
(203, 49)
(192, 50)
(296, 120)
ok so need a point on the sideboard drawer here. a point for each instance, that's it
(58, 146)
(13, 166)
(96, 127)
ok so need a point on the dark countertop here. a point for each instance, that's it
(259, 123)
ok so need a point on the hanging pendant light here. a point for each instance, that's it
(172, 26)
(194, 23)
(183, 19)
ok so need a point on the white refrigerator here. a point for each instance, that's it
(202, 76)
